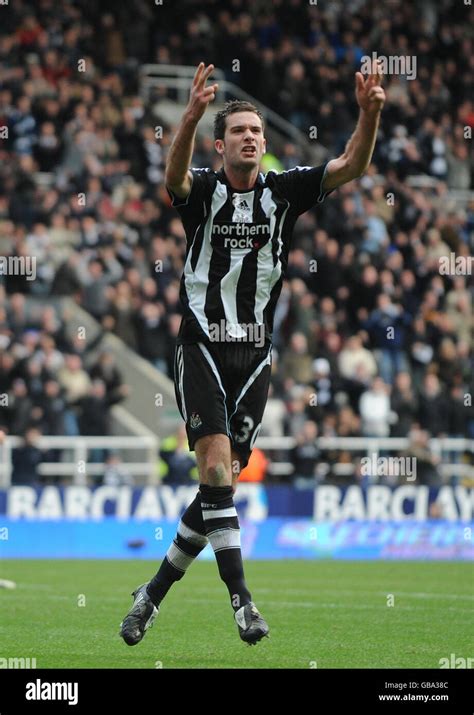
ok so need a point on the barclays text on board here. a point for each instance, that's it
(254, 502)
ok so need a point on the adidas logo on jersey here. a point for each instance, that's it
(242, 209)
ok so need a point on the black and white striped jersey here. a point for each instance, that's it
(237, 248)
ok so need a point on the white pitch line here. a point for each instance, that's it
(415, 594)
(317, 606)
(294, 591)
(375, 594)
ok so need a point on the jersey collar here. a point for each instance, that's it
(221, 175)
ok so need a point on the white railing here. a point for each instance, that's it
(78, 467)
(371, 447)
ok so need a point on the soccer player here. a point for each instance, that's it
(238, 225)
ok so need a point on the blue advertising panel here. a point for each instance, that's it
(275, 538)
(276, 522)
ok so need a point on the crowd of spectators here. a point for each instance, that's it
(374, 329)
(51, 383)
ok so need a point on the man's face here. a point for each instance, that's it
(244, 144)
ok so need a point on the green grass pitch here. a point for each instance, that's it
(324, 614)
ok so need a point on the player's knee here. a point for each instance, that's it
(216, 465)
(214, 460)
(216, 472)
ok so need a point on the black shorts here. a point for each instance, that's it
(223, 389)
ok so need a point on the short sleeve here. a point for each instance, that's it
(303, 186)
(193, 204)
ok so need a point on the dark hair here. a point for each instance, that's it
(231, 107)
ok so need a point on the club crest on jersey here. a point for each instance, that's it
(195, 421)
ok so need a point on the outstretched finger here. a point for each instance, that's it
(377, 74)
(208, 71)
(359, 80)
(197, 74)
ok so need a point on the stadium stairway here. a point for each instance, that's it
(150, 407)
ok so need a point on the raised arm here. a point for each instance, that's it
(360, 147)
(178, 178)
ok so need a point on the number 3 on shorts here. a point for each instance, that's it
(247, 426)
